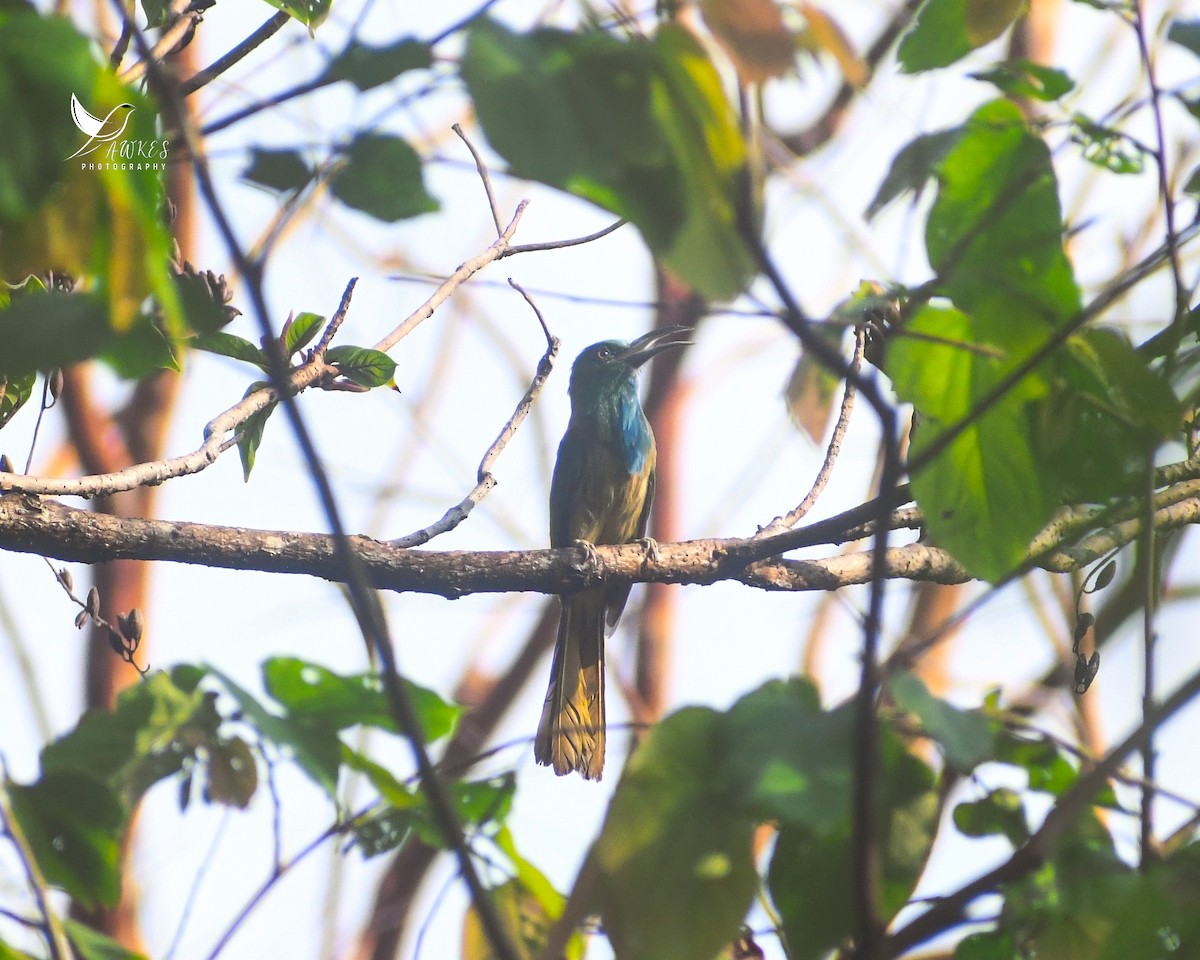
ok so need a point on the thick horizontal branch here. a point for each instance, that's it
(30, 524)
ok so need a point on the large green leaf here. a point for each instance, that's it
(989, 492)
(381, 175)
(73, 823)
(965, 736)
(675, 866)
(641, 128)
(947, 30)
(318, 695)
(154, 728)
(995, 235)
(91, 209)
(792, 761)
(314, 746)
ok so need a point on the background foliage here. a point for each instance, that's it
(1034, 311)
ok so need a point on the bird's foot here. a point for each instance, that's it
(591, 562)
(650, 545)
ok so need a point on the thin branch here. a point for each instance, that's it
(220, 433)
(271, 26)
(364, 601)
(1160, 159)
(51, 926)
(37, 426)
(562, 244)
(950, 910)
(453, 282)
(166, 45)
(483, 176)
(485, 482)
(335, 323)
(789, 520)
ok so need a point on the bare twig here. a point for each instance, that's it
(483, 176)
(789, 520)
(271, 26)
(561, 244)
(37, 426)
(453, 282)
(339, 317)
(485, 482)
(51, 925)
(166, 45)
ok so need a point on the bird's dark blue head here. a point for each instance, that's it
(606, 367)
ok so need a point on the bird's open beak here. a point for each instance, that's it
(654, 343)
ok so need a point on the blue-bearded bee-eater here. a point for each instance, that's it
(601, 493)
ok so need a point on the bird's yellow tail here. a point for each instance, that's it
(570, 735)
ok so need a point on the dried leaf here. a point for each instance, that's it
(753, 34)
(830, 37)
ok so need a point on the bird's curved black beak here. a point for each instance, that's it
(654, 343)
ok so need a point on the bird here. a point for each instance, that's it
(601, 491)
(99, 130)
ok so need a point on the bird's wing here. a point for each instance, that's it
(84, 120)
(564, 488)
(617, 596)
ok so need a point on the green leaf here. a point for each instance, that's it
(1048, 770)
(989, 492)
(311, 13)
(309, 691)
(362, 365)
(966, 737)
(947, 30)
(639, 128)
(703, 133)
(74, 823)
(315, 747)
(991, 945)
(1105, 147)
(523, 918)
(383, 831)
(994, 235)
(535, 883)
(382, 176)
(280, 170)
(228, 345)
(300, 331)
(10, 953)
(44, 330)
(810, 875)
(43, 62)
(252, 430)
(913, 167)
(68, 203)
(1107, 417)
(1186, 33)
(153, 729)
(231, 773)
(139, 352)
(96, 946)
(368, 67)
(14, 392)
(675, 868)
(1024, 78)
(1000, 813)
(802, 778)
(156, 12)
